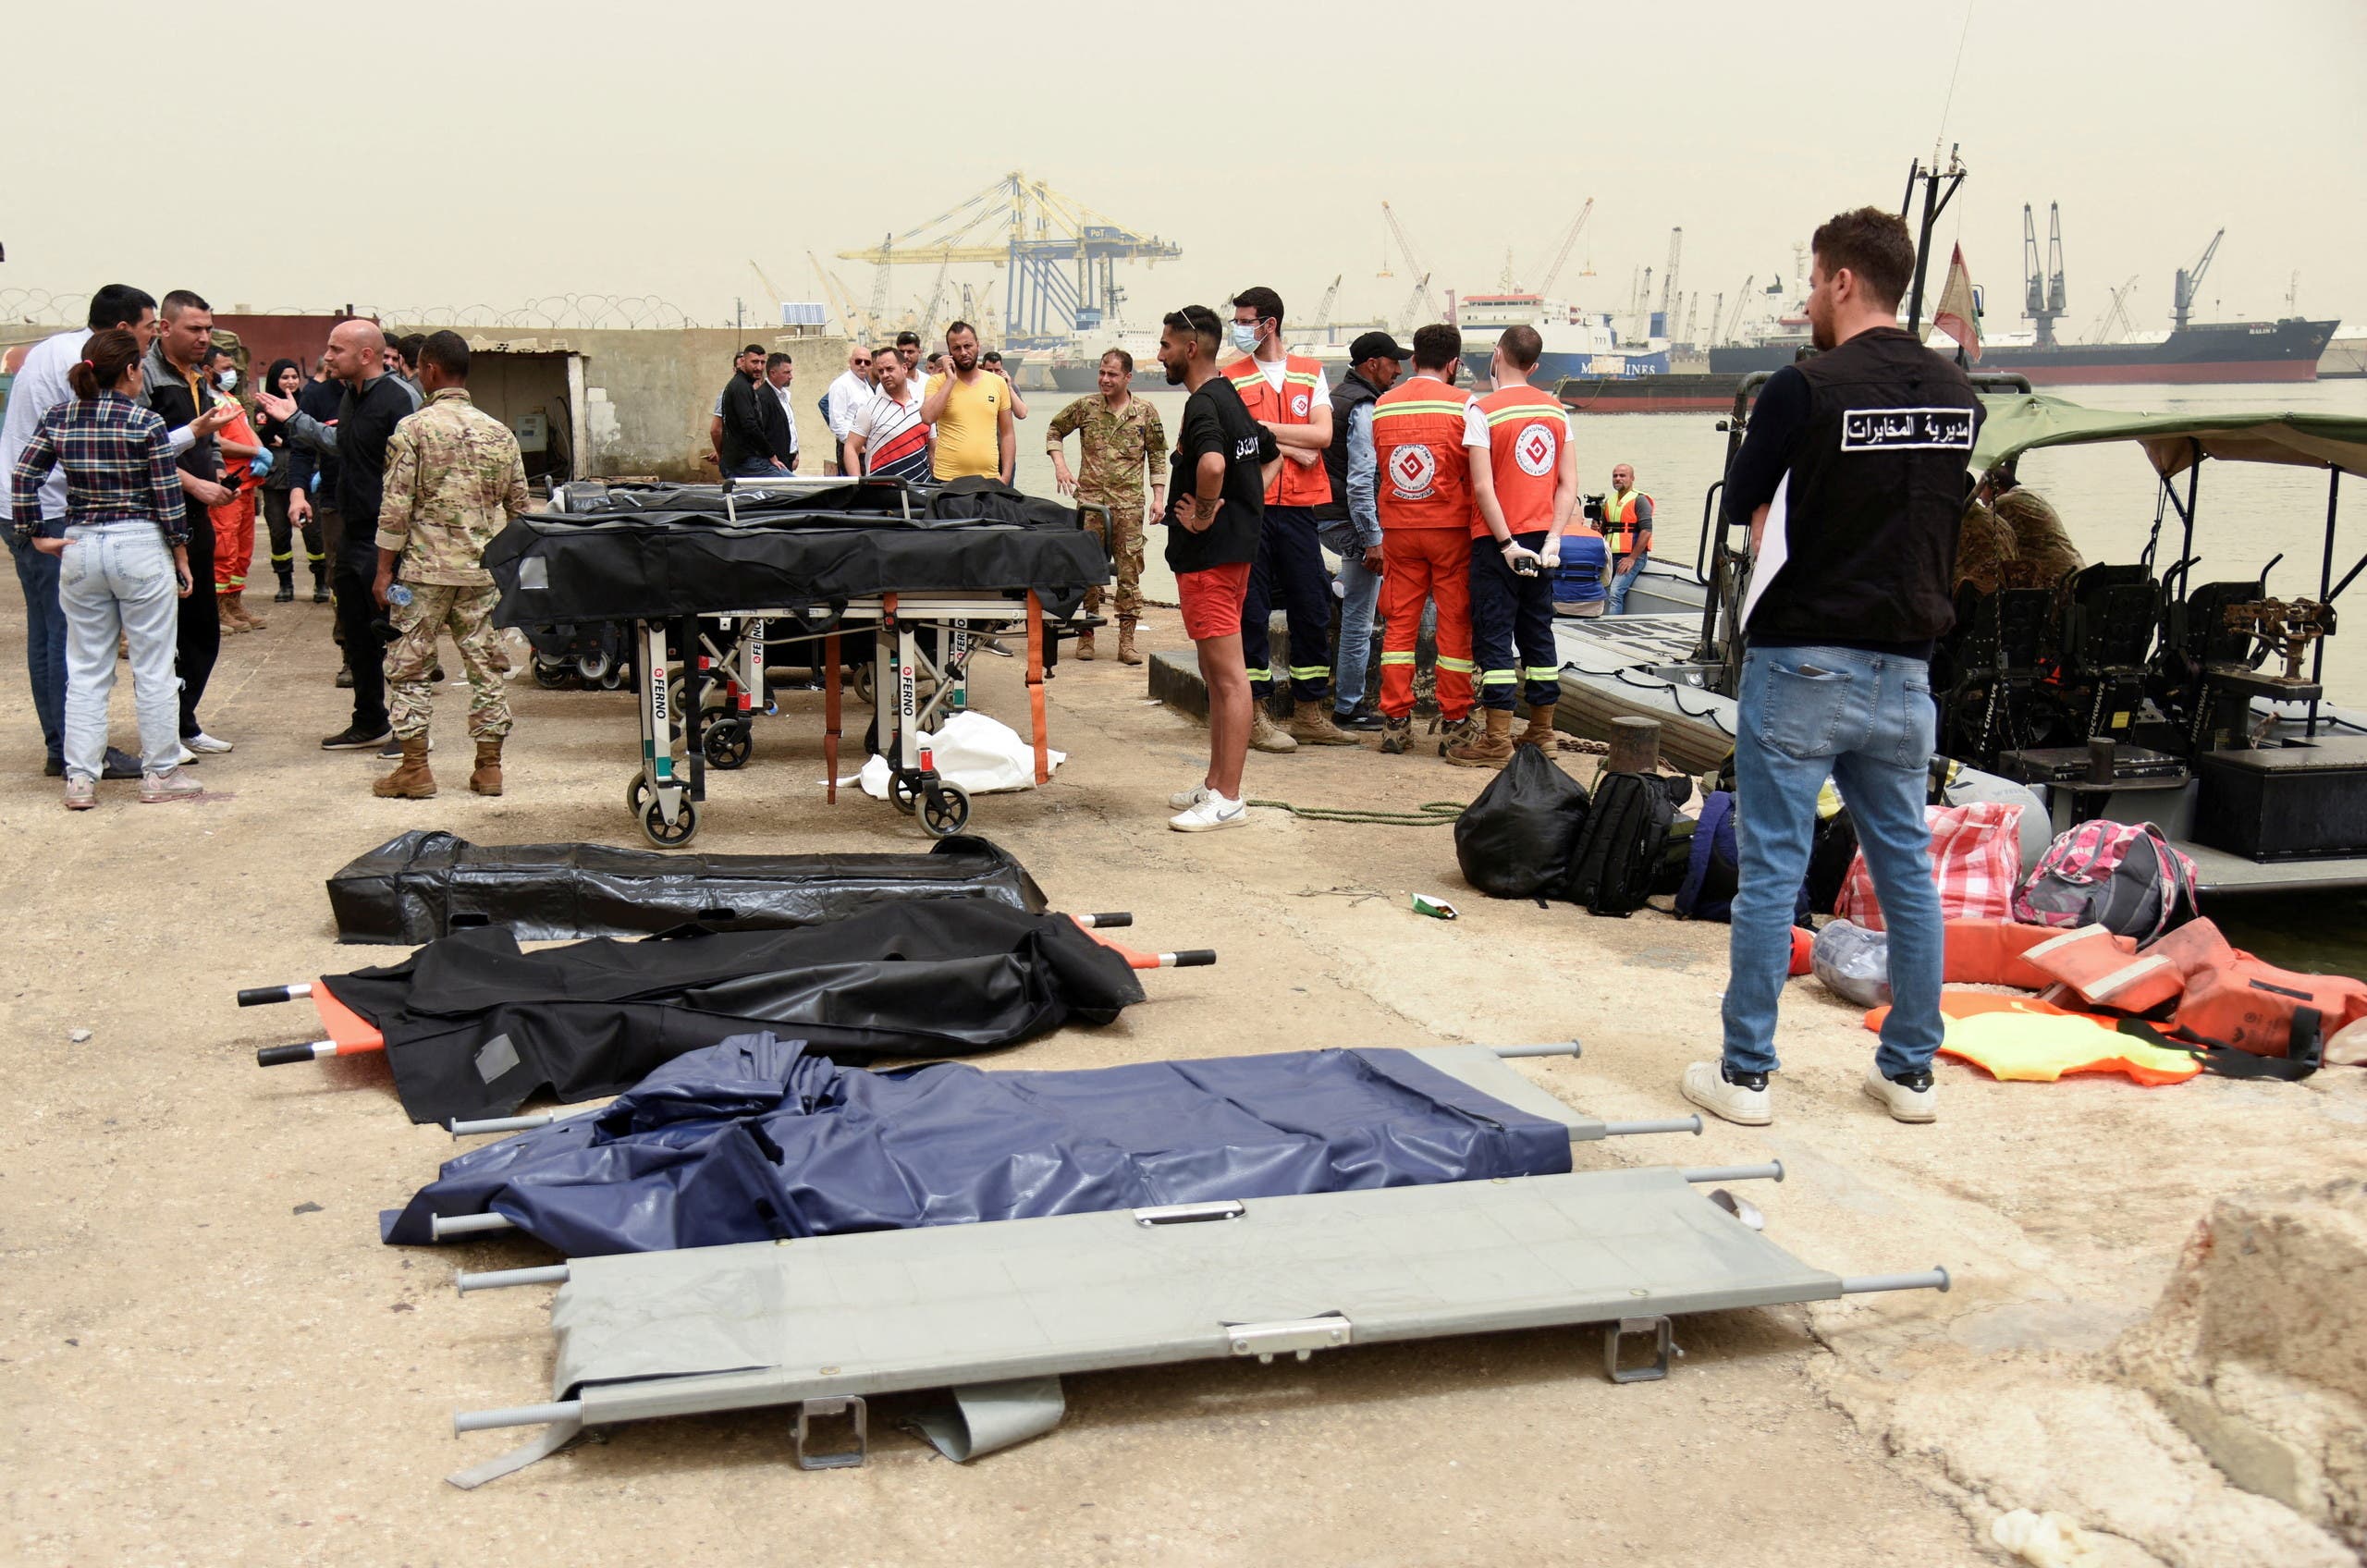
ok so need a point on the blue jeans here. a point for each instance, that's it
(1866, 720)
(758, 468)
(115, 579)
(1359, 592)
(1621, 581)
(44, 644)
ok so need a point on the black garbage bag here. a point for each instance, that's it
(1514, 841)
(423, 884)
(475, 1027)
(755, 1139)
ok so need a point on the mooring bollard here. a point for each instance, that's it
(1635, 746)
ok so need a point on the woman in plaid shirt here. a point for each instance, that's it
(124, 563)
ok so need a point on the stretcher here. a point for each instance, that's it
(922, 573)
(472, 1026)
(998, 1313)
(756, 1140)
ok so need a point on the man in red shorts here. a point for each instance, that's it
(1215, 512)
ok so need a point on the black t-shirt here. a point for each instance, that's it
(1216, 421)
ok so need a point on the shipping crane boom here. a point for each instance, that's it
(1060, 255)
(1420, 296)
(1553, 269)
(2189, 287)
(1323, 312)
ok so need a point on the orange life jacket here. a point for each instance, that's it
(1422, 473)
(1298, 484)
(1527, 433)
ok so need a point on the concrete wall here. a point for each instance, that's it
(648, 395)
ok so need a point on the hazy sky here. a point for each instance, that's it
(431, 153)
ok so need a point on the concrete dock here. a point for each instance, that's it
(210, 1359)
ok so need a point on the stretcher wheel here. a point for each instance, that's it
(636, 793)
(903, 791)
(728, 744)
(945, 809)
(615, 680)
(685, 826)
(550, 677)
(594, 666)
(866, 685)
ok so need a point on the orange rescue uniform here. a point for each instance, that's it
(1422, 471)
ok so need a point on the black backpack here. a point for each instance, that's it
(1516, 840)
(1620, 853)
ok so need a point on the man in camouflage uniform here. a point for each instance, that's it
(1120, 439)
(454, 480)
(1984, 547)
(2044, 553)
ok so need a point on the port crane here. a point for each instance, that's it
(1569, 242)
(851, 318)
(2115, 324)
(1669, 295)
(2189, 287)
(1323, 311)
(1060, 256)
(1413, 303)
(2043, 293)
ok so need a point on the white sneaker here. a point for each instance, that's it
(212, 745)
(186, 758)
(1184, 799)
(1210, 814)
(1903, 1102)
(156, 789)
(1706, 1087)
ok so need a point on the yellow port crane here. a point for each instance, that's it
(1062, 256)
(1569, 242)
(857, 323)
(1421, 300)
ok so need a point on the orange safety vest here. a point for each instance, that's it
(1526, 432)
(1422, 476)
(1619, 520)
(1297, 485)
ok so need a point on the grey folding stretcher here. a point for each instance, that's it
(997, 1313)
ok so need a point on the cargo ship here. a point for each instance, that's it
(2203, 351)
(1577, 342)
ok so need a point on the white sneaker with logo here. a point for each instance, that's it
(1210, 814)
(1706, 1087)
(1904, 1103)
(209, 745)
(1184, 799)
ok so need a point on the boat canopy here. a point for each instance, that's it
(2022, 423)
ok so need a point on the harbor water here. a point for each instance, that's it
(2249, 512)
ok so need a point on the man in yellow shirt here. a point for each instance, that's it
(971, 408)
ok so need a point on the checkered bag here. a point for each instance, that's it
(1976, 860)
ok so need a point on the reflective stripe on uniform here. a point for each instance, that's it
(1544, 672)
(1309, 671)
(1461, 667)
(1498, 677)
(1406, 657)
(1398, 410)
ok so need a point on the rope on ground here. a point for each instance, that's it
(1430, 814)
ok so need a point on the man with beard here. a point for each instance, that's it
(1852, 479)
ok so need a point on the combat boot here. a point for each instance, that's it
(1084, 643)
(238, 602)
(320, 583)
(1491, 747)
(410, 781)
(486, 779)
(1454, 732)
(1311, 726)
(1540, 732)
(1264, 734)
(1396, 736)
(287, 594)
(1126, 654)
(232, 614)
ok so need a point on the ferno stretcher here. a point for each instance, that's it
(926, 575)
